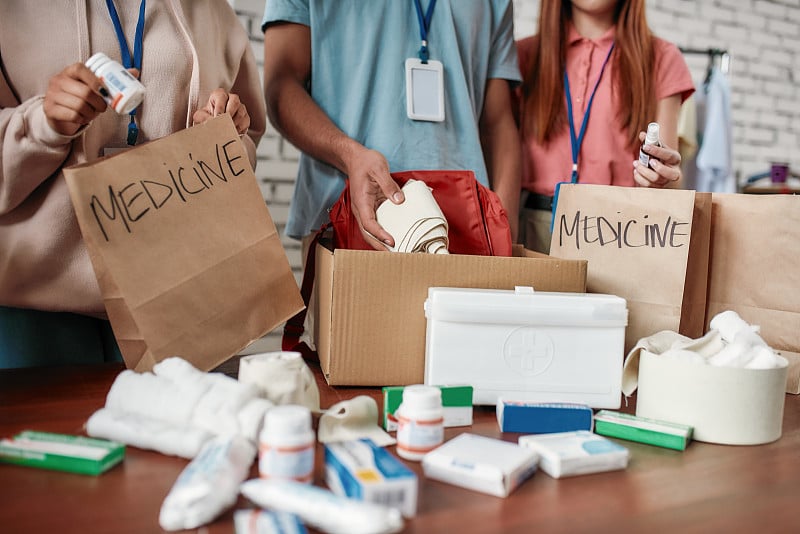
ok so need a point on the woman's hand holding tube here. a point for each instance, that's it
(664, 169)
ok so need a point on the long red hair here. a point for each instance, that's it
(544, 111)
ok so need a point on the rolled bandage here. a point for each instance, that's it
(418, 224)
(281, 377)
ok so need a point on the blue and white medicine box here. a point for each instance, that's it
(576, 453)
(527, 345)
(480, 463)
(361, 470)
(542, 417)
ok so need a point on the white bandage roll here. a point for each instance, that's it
(418, 224)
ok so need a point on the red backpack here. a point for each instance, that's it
(477, 221)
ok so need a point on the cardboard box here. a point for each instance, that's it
(369, 323)
(526, 345)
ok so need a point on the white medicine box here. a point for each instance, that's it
(526, 345)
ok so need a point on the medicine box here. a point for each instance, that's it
(576, 453)
(361, 470)
(61, 452)
(456, 405)
(481, 464)
(643, 429)
(542, 417)
(527, 345)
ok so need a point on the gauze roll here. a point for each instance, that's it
(353, 419)
(281, 377)
(418, 224)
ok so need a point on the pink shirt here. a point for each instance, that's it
(604, 156)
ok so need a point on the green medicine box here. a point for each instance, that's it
(61, 452)
(641, 429)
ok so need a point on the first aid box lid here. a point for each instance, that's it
(523, 305)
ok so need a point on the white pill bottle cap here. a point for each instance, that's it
(420, 401)
(125, 91)
(287, 425)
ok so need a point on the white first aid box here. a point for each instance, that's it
(526, 345)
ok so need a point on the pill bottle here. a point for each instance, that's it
(420, 421)
(287, 444)
(125, 92)
(651, 138)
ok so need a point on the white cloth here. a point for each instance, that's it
(418, 224)
(730, 342)
(175, 409)
(353, 419)
(147, 433)
(714, 161)
(282, 377)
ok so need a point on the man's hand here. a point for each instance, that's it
(73, 99)
(370, 185)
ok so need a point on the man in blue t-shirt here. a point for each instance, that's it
(336, 76)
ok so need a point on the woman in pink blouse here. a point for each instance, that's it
(594, 76)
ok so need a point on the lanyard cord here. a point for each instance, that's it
(424, 26)
(578, 140)
(125, 52)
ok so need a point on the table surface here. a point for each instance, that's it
(706, 488)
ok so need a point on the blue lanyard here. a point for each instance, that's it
(578, 140)
(125, 52)
(424, 26)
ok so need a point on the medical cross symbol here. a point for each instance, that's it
(528, 351)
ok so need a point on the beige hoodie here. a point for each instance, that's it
(191, 47)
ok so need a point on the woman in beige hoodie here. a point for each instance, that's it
(196, 62)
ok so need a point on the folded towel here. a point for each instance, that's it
(147, 433)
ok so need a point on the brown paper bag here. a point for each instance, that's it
(187, 257)
(648, 246)
(755, 269)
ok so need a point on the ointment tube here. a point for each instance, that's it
(323, 509)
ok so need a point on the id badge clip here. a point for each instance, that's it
(424, 90)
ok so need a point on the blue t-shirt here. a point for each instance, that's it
(358, 54)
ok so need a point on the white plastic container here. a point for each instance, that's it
(527, 346)
(125, 92)
(286, 444)
(420, 421)
(726, 405)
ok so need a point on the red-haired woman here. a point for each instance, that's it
(594, 76)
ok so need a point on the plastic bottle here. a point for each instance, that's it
(286, 444)
(420, 421)
(651, 138)
(125, 92)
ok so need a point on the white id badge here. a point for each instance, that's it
(424, 90)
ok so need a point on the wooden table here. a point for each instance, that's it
(707, 488)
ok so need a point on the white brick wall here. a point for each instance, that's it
(762, 36)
